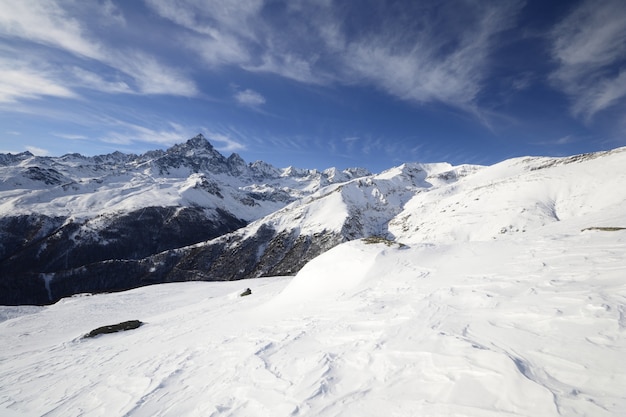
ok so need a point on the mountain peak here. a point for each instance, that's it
(199, 141)
(198, 146)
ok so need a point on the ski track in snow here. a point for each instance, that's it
(501, 328)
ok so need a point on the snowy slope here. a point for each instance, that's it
(518, 195)
(363, 206)
(483, 328)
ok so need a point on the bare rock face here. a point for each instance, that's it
(229, 257)
(37, 248)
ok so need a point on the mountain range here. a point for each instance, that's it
(75, 224)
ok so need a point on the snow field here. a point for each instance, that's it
(512, 327)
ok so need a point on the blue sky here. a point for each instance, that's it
(315, 83)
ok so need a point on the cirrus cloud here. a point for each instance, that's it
(249, 98)
(587, 45)
(442, 56)
(58, 24)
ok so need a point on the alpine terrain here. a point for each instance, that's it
(426, 289)
(78, 224)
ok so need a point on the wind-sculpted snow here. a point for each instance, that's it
(525, 325)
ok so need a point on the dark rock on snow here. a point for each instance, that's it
(114, 328)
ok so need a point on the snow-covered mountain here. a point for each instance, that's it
(189, 213)
(191, 174)
(423, 290)
(61, 215)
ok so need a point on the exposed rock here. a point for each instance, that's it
(114, 328)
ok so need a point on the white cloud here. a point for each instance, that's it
(218, 49)
(152, 77)
(291, 66)
(446, 64)
(588, 45)
(564, 140)
(88, 79)
(37, 151)
(225, 143)
(441, 54)
(209, 16)
(18, 81)
(168, 135)
(52, 24)
(112, 14)
(70, 136)
(130, 133)
(46, 23)
(249, 98)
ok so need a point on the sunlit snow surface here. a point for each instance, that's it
(533, 327)
(499, 304)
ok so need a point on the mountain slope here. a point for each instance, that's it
(519, 195)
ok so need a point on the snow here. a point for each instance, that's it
(502, 295)
(531, 326)
(517, 197)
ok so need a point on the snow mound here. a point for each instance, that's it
(337, 272)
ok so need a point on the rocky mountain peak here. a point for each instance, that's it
(198, 145)
(199, 141)
(9, 158)
(236, 164)
(197, 154)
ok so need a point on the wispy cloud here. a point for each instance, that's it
(169, 134)
(563, 140)
(217, 30)
(588, 46)
(46, 23)
(441, 55)
(151, 76)
(126, 133)
(58, 25)
(19, 81)
(94, 81)
(446, 59)
(70, 136)
(249, 98)
(225, 142)
(37, 151)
